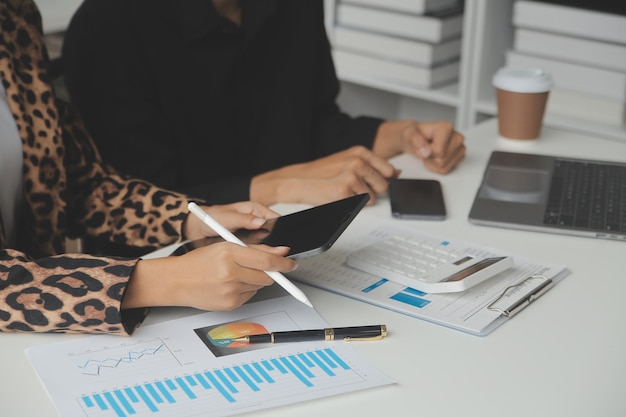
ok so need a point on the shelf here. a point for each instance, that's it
(591, 128)
(447, 95)
(488, 33)
(488, 107)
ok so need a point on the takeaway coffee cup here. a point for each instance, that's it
(522, 94)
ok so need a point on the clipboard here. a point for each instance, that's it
(477, 311)
(517, 297)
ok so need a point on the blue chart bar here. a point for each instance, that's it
(226, 383)
(412, 297)
(375, 285)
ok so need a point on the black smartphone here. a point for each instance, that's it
(418, 199)
(307, 233)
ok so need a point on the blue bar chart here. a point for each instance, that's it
(219, 390)
(407, 295)
(411, 297)
(172, 368)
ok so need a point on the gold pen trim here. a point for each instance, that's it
(329, 334)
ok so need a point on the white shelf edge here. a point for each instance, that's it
(618, 133)
(447, 95)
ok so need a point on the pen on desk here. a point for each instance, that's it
(279, 278)
(361, 333)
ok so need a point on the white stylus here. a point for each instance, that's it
(279, 278)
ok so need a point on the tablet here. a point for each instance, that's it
(307, 233)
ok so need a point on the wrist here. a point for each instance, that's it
(261, 190)
(147, 287)
(389, 138)
(269, 189)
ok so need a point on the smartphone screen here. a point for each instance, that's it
(418, 199)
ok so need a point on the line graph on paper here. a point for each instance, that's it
(128, 358)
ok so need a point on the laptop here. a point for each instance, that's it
(543, 193)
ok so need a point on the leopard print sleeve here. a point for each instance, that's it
(65, 294)
(68, 191)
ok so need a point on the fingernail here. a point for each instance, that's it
(259, 221)
(424, 151)
(295, 266)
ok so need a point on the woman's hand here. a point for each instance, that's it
(221, 276)
(436, 143)
(343, 174)
(242, 215)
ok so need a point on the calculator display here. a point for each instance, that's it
(464, 273)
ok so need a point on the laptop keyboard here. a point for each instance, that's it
(587, 195)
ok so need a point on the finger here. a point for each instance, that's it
(256, 209)
(455, 149)
(261, 257)
(355, 184)
(376, 182)
(418, 141)
(249, 207)
(277, 250)
(443, 166)
(368, 178)
(380, 165)
(246, 215)
(443, 138)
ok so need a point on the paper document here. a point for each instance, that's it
(466, 311)
(192, 366)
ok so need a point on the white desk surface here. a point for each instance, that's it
(565, 355)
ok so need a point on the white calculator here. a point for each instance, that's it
(425, 264)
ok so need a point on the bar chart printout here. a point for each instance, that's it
(169, 372)
(220, 389)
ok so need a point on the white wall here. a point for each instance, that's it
(358, 100)
(56, 14)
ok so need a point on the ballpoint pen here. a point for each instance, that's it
(279, 278)
(363, 333)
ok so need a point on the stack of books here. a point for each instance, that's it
(414, 43)
(585, 51)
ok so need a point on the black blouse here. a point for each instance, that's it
(175, 94)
